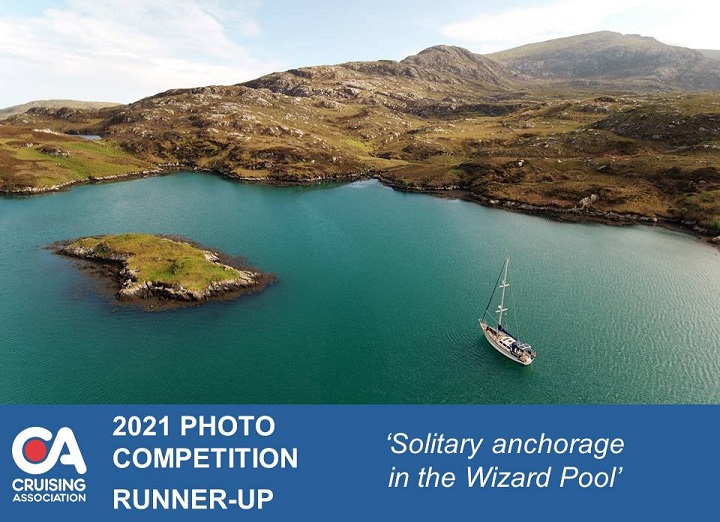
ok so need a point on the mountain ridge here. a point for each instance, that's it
(7, 112)
(638, 61)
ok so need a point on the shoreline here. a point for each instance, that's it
(562, 214)
(567, 215)
(161, 170)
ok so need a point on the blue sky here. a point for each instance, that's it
(122, 50)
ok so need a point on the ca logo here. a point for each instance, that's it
(30, 452)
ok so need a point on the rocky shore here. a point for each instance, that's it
(573, 214)
(146, 173)
(576, 214)
(160, 272)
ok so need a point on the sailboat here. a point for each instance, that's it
(500, 339)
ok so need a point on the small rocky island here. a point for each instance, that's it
(163, 272)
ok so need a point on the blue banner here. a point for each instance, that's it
(358, 462)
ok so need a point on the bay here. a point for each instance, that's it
(377, 301)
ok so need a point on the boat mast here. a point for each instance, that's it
(504, 285)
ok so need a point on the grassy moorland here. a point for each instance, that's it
(655, 156)
(34, 159)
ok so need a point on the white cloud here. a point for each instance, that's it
(671, 21)
(689, 24)
(122, 50)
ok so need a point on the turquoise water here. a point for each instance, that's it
(377, 302)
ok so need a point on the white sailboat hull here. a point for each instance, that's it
(503, 342)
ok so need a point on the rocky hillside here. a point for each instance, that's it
(53, 104)
(432, 82)
(442, 63)
(444, 120)
(613, 59)
(317, 122)
(689, 121)
(252, 133)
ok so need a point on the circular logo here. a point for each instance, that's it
(35, 450)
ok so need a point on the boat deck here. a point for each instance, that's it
(508, 345)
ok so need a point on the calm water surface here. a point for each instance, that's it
(377, 302)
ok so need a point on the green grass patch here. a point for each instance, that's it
(97, 147)
(87, 167)
(30, 154)
(52, 160)
(161, 260)
(357, 144)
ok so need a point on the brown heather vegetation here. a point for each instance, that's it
(443, 120)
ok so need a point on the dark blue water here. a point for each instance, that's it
(377, 301)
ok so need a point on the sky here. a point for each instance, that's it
(124, 50)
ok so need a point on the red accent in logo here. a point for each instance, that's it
(35, 450)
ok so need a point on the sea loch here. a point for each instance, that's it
(377, 301)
